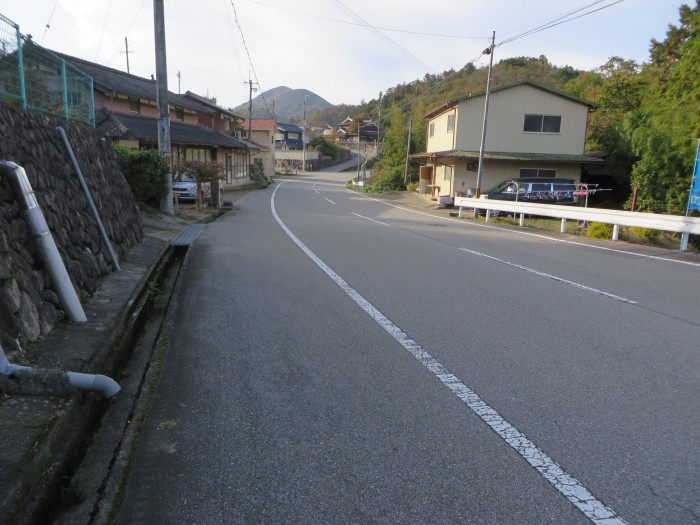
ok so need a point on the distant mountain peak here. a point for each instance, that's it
(285, 102)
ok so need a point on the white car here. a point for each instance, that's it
(185, 188)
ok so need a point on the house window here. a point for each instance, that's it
(180, 114)
(537, 172)
(229, 169)
(227, 125)
(447, 174)
(542, 124)
(240, 165)
(432, 129)
(74, 99)
(450, 122)
(258, 161)
(134, 105)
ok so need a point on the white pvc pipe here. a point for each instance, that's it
(47, 246)
(106, 386)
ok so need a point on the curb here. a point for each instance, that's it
(41, 471)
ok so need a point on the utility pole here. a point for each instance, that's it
(162, 100)
(480, 172)
(303, 132)
(379, 124)
(179, 77)
(126, 44)
(358, 148)
(250, 120)
(408, 148)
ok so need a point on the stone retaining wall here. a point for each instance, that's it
(29, 307)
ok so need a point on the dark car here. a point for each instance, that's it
(536, 189)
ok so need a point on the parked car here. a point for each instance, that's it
(535, 189)
(185, 188)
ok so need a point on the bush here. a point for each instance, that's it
(326, 148)
(412, 186)
(146, 172)
(600, 230)
(388, 180)
(645, 234)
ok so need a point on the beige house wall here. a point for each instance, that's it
(265, 138)
(507, 110)
(442, 140)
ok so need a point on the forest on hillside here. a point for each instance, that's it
(647, 119)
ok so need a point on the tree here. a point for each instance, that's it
(204, 172)
(390, 169)
(320, 144)
(664, 131)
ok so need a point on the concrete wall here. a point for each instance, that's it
(29, 306)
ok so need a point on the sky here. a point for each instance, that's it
(346, 51)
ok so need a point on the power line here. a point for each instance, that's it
(365, 24)
(233, 42)
(382, 36)
(547, 25)
(250, 59)
(128, 31)
(434, 87)
(48, 24)
(104, 28)
(561, 20)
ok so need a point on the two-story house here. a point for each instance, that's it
(532, 131)
(262, 136)
(289, 137)
(126, 109)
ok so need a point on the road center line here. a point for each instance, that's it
(531, 234)
(329, 200)
(550, 276)
(369, 219)
(567, 485)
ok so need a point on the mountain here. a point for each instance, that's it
(287, 104)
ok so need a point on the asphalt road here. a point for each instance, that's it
(338, 359)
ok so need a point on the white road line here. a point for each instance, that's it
(530, 234)
(369, 219)
(568, 486)
(550, 276)
(329, 200)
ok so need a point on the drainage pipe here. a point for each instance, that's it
(47, 246)
(88, 195)
(18, 379)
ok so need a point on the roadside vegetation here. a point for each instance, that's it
(647, 120)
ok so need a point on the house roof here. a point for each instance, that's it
(209, 106)
(548, 157)
(510, 85)
(259, 147)
(109, 80)
(260, 124)
(288, 127)
(120, 125)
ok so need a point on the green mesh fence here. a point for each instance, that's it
(40, 80)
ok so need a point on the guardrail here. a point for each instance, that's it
(654, 221)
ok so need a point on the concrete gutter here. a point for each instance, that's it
(43, 439)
